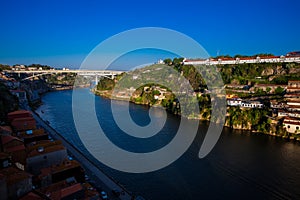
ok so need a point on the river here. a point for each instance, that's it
(242, 165)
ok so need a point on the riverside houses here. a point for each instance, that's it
(292, 125)
(291, 120)
(14, 147)
(43, 154)
(14, 183)
(63, 171)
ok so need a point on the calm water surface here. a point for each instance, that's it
(241, 166)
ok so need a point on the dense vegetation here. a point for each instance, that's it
(249, 119)
(240, 74)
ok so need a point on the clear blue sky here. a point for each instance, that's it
(62, 33)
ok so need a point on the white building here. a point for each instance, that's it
(292, 125)
(224, 61)
(252, 104)
(234, 102)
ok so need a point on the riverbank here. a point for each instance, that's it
(102, 179)
(251, 117)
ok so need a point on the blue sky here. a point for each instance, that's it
(62, 33)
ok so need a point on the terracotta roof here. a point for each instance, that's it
(294, 101)
(291, 119)
(31, 196)
(23, 119)
(14, 175)
(19, 112)
(48, 148)
(35, 132)
(61, 189)
(269, 57)
(291, 122)
(293, 88)
(294, 106)
(8, 138)
(67, 164)
(6, 129)
(23, 123)
(294, 81)
(71, 190)
(292, 94)
(15, 148)
(250, 58)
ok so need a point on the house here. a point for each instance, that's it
(33, 196)
(286, 113)
(32, 135)
(43, 154)
(293, 107)
(292, 96)
(18, 114)
(14, 147)
(5, 130)
(292, 125)
(293, 86)
(23, 124)
(14, 183)
(60, 172)
(276, 104)
(234, 102)
(294, 102)
(251, 104)
(64, 190)
(282, 113)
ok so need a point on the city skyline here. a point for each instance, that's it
(61, 34)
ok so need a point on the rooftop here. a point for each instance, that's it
(61, 189)
(18, 112)
(8, 138)
(14, 175)
(32, 196)
(44, 147)
(67, 164)
(32, 133)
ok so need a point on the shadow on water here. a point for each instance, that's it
(241, 166)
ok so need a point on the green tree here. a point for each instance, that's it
(168, 61)
(279, 90)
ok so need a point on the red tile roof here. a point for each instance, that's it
(15, 148)
(291, 122)
(70, 190)
(5, 129)
(294, 81)
(31, 196)
(8, 138)
(25, 123)
(14, 175)
(19, 112)
(67, 164)
(60, 190)
(47, 145)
